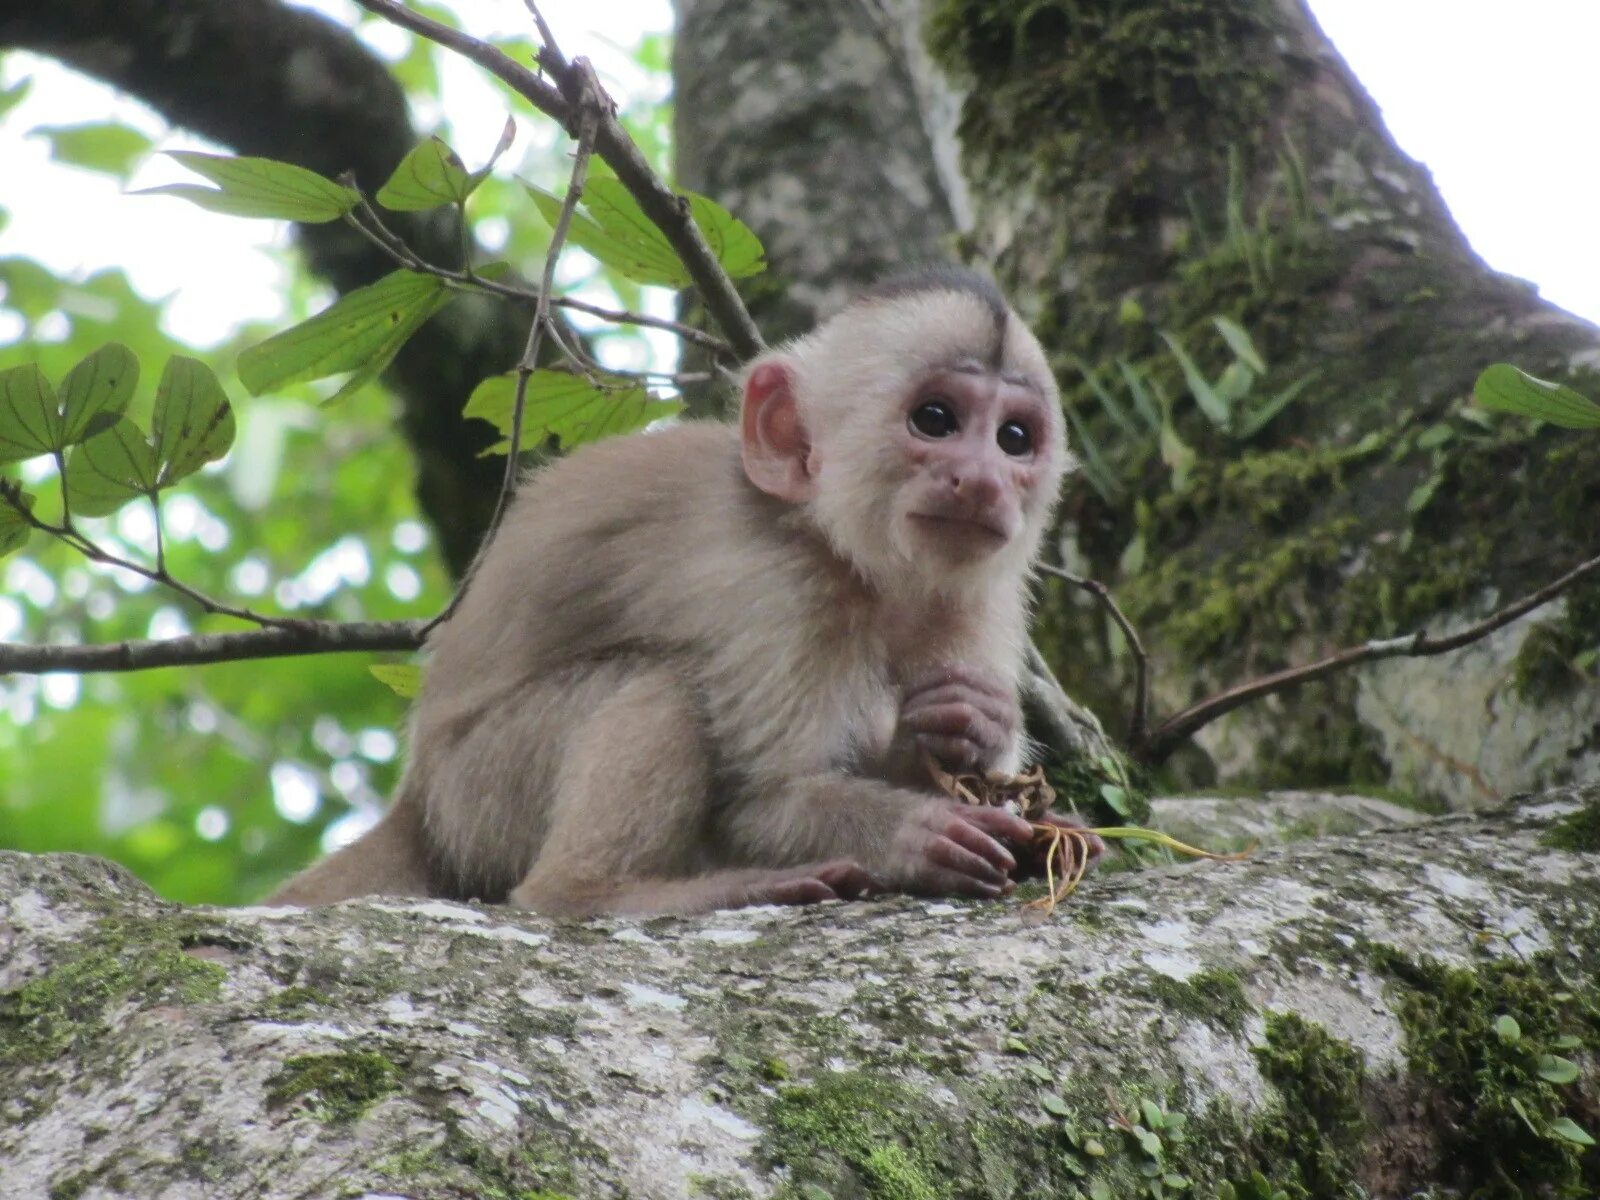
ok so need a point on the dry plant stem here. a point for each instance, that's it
(1175, 730)
(592, 103)
(1139, 719)
(668, 211)
(283, 641)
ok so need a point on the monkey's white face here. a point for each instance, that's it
(977, 446)
(923, 436)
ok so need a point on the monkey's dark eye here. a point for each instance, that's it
(934, 419)
(1014, 439)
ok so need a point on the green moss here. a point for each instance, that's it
(295, 999)
(71, 1187)
(138, 962)
(1559, 656)
(334, 1087)
(1102, 67)
(459, 1165)
(1499, 1110)
(1578, 831)
(852, 1131)
(1214, 996)
(1313, 1144)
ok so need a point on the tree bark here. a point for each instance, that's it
(828, 130)
(279, 82)
(1324, 1013)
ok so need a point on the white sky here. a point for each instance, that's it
(1499, 100)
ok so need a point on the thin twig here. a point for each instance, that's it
(469, 279)
(593, 103)
(1139, 720)
(301, 638)
(667, 210)
(1173, 731)
(72, 536)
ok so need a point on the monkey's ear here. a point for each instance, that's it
(776, 445)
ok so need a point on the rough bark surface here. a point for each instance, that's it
(266, 79)
(899, 1048)
(827, 129)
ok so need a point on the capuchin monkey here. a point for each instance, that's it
(705, 667)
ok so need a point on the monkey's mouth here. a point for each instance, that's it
(973, 528)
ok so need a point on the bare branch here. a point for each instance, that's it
(1171, 733)
(1139, 719)
(280, 641)
(667, 210)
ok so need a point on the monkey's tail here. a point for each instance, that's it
(387, 860)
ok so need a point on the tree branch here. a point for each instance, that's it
(667, 210)
(1139, 719)
(1173, 731)
(279, 641)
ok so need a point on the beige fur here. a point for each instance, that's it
(666, 690)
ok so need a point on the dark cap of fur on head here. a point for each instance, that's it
(945, 277)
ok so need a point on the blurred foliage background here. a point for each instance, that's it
(213, 783)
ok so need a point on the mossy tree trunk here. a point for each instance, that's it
(1141, 167)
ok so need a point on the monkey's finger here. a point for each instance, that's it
(972, 850)
(1000, 709)
(997, 823)
(962, 675)
(943, 881)
(953, 753)
(954, 718)
(850, 881)
(795, 891)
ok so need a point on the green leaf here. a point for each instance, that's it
(1148, 1142)
(1154, 1118)
(260, 187)
(1215, 407)
(105, 146)
(1258, 419)
(1241, 345)
(643, 256)
(1555, 1069)
(30, 423)
(1117, 798)
(1042, 1073)
(1177, 455)
(12, 96)
(362, 331)
(1054, 1105)
(193, 421)
(96, 392)
(1507, 1030)
(14, 528)
(110, 469)
(564, 406)
(738, 249)
(1568, 1041)
(403, 679)
(431, 175)
(613, 228)
(1569, 1130)
(1142, 399)
(1504, 388)
(1094, 1148)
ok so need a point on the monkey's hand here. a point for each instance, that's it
(964, 716)
(1032, 859)
(942, 848)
